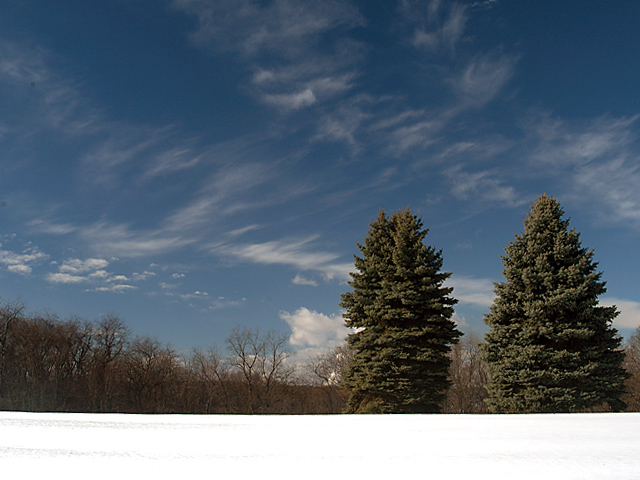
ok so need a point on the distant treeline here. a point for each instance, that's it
(73, 365)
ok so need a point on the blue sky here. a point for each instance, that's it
(196, 165)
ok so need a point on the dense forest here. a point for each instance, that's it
(74, 365)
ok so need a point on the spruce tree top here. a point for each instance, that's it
(548, 258)
(396, 274)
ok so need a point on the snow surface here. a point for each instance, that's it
(591, 446)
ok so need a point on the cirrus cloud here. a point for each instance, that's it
(295, 253)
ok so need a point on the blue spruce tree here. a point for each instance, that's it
(402, 316)
(551, 347)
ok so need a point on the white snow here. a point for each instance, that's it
(584, 446)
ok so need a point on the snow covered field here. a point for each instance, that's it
(598, 446)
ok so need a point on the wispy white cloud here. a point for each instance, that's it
(342, 126)
(306, 85)
(227, 192)
(482, 149)
(140, 277)
(174, 160)
(238, 232)
(65, 278)
(52, 101)
(597, 160)
(74, 270)
(310, 80)
(104, 159)
(48, 227)
(482, 79)
(478, 83)
(482, 185)
(560, 143)
(117, 239)
(20, 269)
(196, 294)
(295, 253)
(470, 290)
(116, 149)
(484, 4)
(121, 241)
(22, 263)
(114, 278)
(300, 280)
(442, 32)
(199, 299)
(92, 271)
(121, 151)
(230, 189)
(420, 134)
(109, 150)
(291, 101)
(116, 288)
(614, 184)
(284, 27)
(168, 287)
(298, 73)
(76, 266)
(350, 119)
(222, 302)
(19, 68)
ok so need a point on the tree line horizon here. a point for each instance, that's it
(550, 346)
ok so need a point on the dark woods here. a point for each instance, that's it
(48, 364)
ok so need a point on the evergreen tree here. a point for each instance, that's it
(551, 347)
(401, 314)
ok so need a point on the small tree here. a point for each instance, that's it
(150, 372)
(402, 316)
(326, 372)
(262, 362)
(9, 315)
(110, 341)
(469, 376)
(632, 365)
(551, 347)
(211, 374)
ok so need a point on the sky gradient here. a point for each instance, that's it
(196, 165)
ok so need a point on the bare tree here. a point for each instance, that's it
(9, 313)
(110, 338)
(33, 364)
(43, 361)
(326, 372)
(276, 372)
(71, 345)
(211, 375)
(262, 363)
(632, 365)
(469, 375)
(150, 369)
(246, 348)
